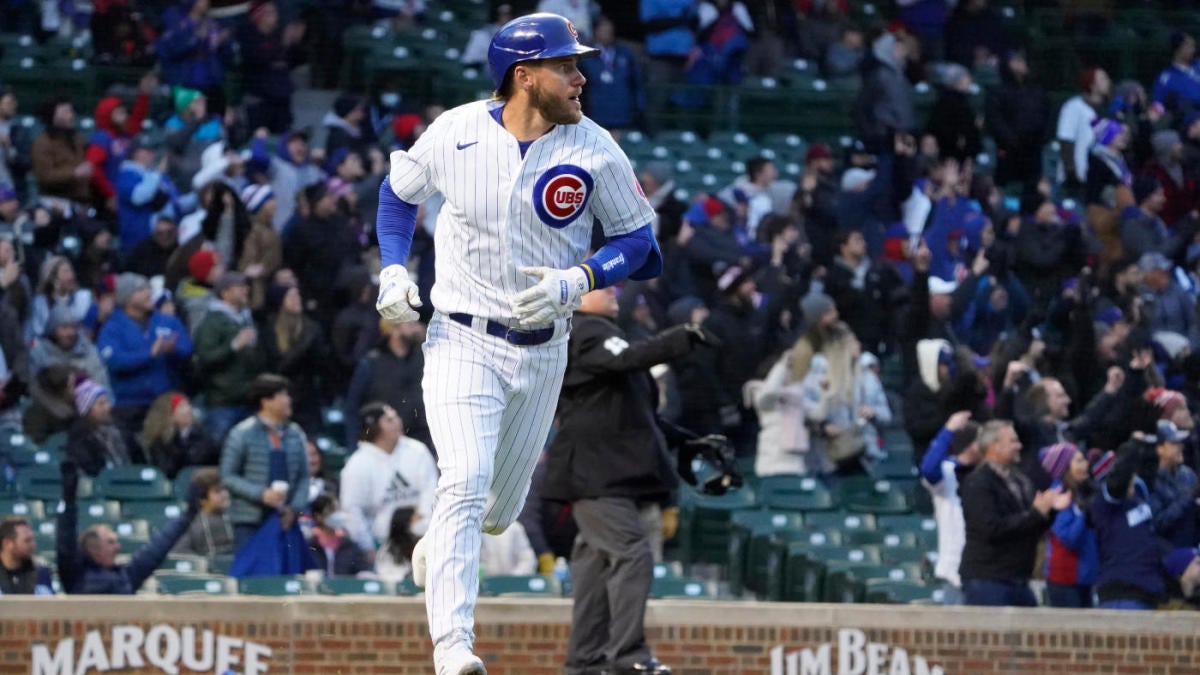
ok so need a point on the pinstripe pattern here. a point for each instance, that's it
(490, 405)
(488, 227)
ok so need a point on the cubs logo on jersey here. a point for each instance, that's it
(561, 194)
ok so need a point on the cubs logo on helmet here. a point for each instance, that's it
(560, 195)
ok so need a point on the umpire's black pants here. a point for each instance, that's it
(611, 572)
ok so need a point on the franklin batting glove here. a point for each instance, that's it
(558, 293)
(398, 295)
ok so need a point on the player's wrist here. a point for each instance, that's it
(589, 277)
(392, 272)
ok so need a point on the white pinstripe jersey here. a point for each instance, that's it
(503, 212)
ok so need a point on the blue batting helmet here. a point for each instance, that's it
(532, 37)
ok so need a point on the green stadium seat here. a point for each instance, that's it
(407, 587)
(901, 572)
(93, 510)
(31, 509)
(772, 554)
(45, 541)
(521, 586)
(866, 554)
(133, 482)
(749, 534)
(897, 464)
(839, 521)
(902, 554)
(668, 570)
(133, 533)
(200, 584)
(691, 589)
(704, 523)
(793, 574)
(220, 564)
(18, 448)
(179, 488)
(275, 586)
(842, 585)
(923, 528)
(156, 514)
(874, 496)
(355, 586)
(676, 137)
(795, 493)
(184, 564)
(901, 592)
(43, 481)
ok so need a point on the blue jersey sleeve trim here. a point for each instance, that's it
(634, 255)
(395, 224)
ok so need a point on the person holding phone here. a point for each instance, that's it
(144, 350)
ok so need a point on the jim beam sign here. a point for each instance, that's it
(166, 648)
(855, 656)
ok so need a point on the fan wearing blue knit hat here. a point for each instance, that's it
(262, 254)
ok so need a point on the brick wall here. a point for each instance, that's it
(330, 636)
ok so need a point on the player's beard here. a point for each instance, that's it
(553, 110)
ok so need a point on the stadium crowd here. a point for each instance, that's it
(199, 297)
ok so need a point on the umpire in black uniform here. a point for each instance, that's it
(609, 459)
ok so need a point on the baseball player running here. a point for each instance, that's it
(523, 175)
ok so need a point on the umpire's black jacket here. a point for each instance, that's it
(608, 443)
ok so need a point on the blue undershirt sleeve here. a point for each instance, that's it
(395, 223)
(634, 255)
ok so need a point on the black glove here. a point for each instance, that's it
(70, 480)
(701, 335)
(196, 493)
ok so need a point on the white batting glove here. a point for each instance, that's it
(398, 295)
(557, 294)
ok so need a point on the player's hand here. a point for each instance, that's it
(546, 563)
(398, 295)
(558, 293)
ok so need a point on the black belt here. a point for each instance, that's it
(521, 338)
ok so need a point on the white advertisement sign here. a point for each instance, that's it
(855, 656)
(169, 649)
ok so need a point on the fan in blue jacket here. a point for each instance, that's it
(1130, 575)
(145, 351)
(87, 565)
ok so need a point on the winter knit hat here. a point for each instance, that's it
(201, 264)
(183, 97)
(1106, 130)
(1163, 141)
(1056, 459)
(86, 393)
(814, 306)
(1165, 400)
(61, 315)
(1102, 463)
(128, 284)
(255, 196)
(733, 278)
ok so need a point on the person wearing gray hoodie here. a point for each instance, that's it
(885, 103)
(290, 171)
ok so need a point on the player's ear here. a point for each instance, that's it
(521, 77)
